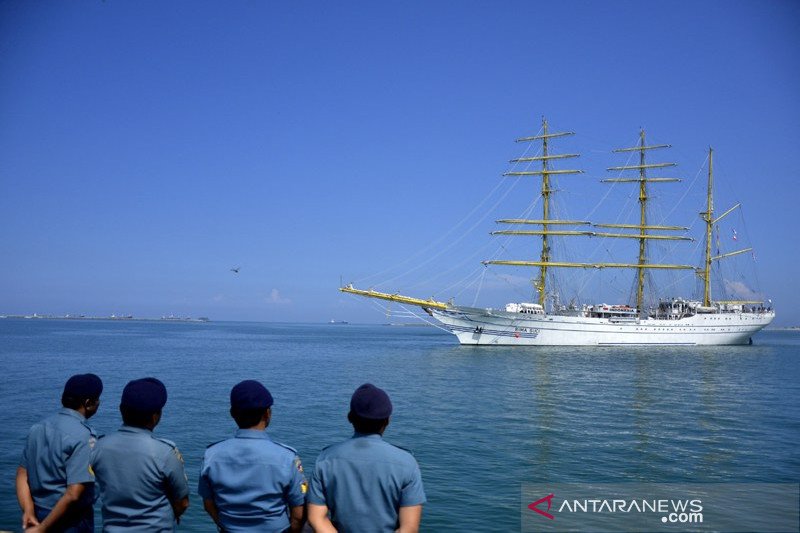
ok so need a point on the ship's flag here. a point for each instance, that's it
(735, 237)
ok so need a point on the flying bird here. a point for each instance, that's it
(235, 270)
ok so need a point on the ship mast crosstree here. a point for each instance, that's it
(644, 228)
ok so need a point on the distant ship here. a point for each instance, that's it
(338, 322)
(676, 321)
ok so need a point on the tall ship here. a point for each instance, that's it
(545, 321)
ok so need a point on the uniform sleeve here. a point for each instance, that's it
(78, 463)
(204, 484)
(316, 490)
(27, 453)
(298, 487)
(413, 492)
(175, 476)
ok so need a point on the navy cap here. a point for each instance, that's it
(83, 386)
(368, 401)
(146, 395)
(250, 394)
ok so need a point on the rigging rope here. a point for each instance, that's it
(436, 242)
(475, 301)
(440, 239)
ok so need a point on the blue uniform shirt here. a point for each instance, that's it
(138, 474)
(58, 453)
(253, 481)
(364, 481)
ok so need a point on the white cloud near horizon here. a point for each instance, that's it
(276, 298)
(742, 291)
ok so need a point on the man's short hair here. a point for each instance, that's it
(367, 426)
(247, 418)
(135, 417)
(74, 402)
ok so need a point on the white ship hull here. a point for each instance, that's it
(494, 327)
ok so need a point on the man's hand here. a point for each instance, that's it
(29, 520)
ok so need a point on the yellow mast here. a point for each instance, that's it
(643, 222)
(643, 236)
(545, 257)
(708, 216)
(546, 221)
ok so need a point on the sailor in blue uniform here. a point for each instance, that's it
(249, 482)
(55, 484)
(141, 480)
(366, 483)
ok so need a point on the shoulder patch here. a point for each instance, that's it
(173, 446)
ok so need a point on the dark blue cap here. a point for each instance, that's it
(146, 395)
(368, 401)
(83, 386)
(250, 394)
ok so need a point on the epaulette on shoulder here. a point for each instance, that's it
(215, 443)
(167, 442)
(287, 447)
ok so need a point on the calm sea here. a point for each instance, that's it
(480, 421)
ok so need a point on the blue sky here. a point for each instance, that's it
(148, 147)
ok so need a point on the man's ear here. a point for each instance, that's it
(267, 416)
(90, 406)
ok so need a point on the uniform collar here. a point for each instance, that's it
(357, 435)
(251, 434)
(134, 429)
(73, 413)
